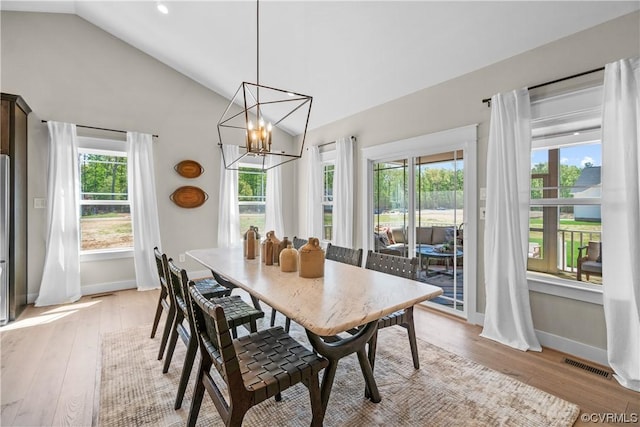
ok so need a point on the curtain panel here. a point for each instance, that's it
(273, 203)
(621, 218)
(229, 212)
(314, 212)
(508, 311)
(144, 208)
(343, 197)
(61, 274)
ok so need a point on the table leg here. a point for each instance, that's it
(336, 350)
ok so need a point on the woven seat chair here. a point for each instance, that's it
(402, 267)
(344, 255)
(254, 367)
(298, 243)
(164, 300)
(238, 313)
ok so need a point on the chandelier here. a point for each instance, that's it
(263, 121)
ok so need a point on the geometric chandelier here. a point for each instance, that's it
(262, 120)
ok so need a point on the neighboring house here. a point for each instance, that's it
(588, 185)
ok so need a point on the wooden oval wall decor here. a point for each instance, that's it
(189, 169)
(189, 197)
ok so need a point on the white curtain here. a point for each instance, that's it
(144, 208)
(273, 208)
(61, 275)
(229, 213)
(508, 312)
(343, 200)
(621, 218)
(314, 194)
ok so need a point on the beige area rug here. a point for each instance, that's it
(448, 390)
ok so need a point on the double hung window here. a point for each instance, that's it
(327, 201)
(252, 183)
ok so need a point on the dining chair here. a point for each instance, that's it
(164, 302)
(254, 367)
(238, 313)
(402, 267)
(344, 255)
(298, 243)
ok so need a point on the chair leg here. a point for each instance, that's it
(287, 325)
(316, 401)
(172, 342)
(411, 331)
(198, 393)
(186, 371)
(156, 319)
(167, 330)
(273, 317)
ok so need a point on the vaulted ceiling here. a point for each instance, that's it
(349, 55)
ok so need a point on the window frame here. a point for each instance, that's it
(555, 119)
(327, 157)
(109, 147)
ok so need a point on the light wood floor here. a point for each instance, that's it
(51, 355)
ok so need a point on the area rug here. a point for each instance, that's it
(448, 390)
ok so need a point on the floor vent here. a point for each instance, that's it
(587, 368)
(102, 295)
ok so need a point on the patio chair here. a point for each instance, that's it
(344, 255)
(255, 367)
(403, 267)
(238, 313)
(590, 260)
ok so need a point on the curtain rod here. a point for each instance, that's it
(330, 142)
(584, 73)
(96, 128)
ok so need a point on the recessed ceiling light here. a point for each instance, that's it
(162, 8)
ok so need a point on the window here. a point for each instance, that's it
(566, 164)
(252, 184)
(327, 201)
(105, 213)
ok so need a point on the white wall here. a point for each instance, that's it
(69, 70)
(458, 103)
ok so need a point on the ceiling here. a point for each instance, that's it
(349, 55)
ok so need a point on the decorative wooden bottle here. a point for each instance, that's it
(250, 244)
(270, 253)
(281, 246)
(311, 259)
(288, 259)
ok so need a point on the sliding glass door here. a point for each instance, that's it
(418, 209)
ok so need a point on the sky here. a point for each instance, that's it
(576, 155)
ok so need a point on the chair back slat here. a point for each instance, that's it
(298, 243)
(175, 285)
(344, 255)
(215, 337)
(161, 265)
(391, 264)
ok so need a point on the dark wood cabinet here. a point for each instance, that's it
(13, 136)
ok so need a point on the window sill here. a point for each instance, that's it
(551, 285)
(107, 254)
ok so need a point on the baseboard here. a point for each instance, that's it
(563, 344)
(97, 288)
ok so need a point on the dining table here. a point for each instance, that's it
(346, 299)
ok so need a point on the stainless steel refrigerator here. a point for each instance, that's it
(4, 238)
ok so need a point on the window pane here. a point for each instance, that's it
(252, 214)
(327, 222)
(580, 171)
(105, 227)
(252, 184)
(103, 177)
(390, 198)
(327, 194)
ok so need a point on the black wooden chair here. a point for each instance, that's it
(238, 313)
(402, 267)
(164, 300)
(344, 255)
(298, 243)
(254, 367)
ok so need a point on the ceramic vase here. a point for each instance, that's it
(311, 259)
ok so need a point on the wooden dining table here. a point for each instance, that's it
(346, 298)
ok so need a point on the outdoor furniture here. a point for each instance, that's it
(350, 297)
(427, 252)
(590, 260)
(255, 367)
(534, 250)
(238, 313)
(344, 255)
(401, 267)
